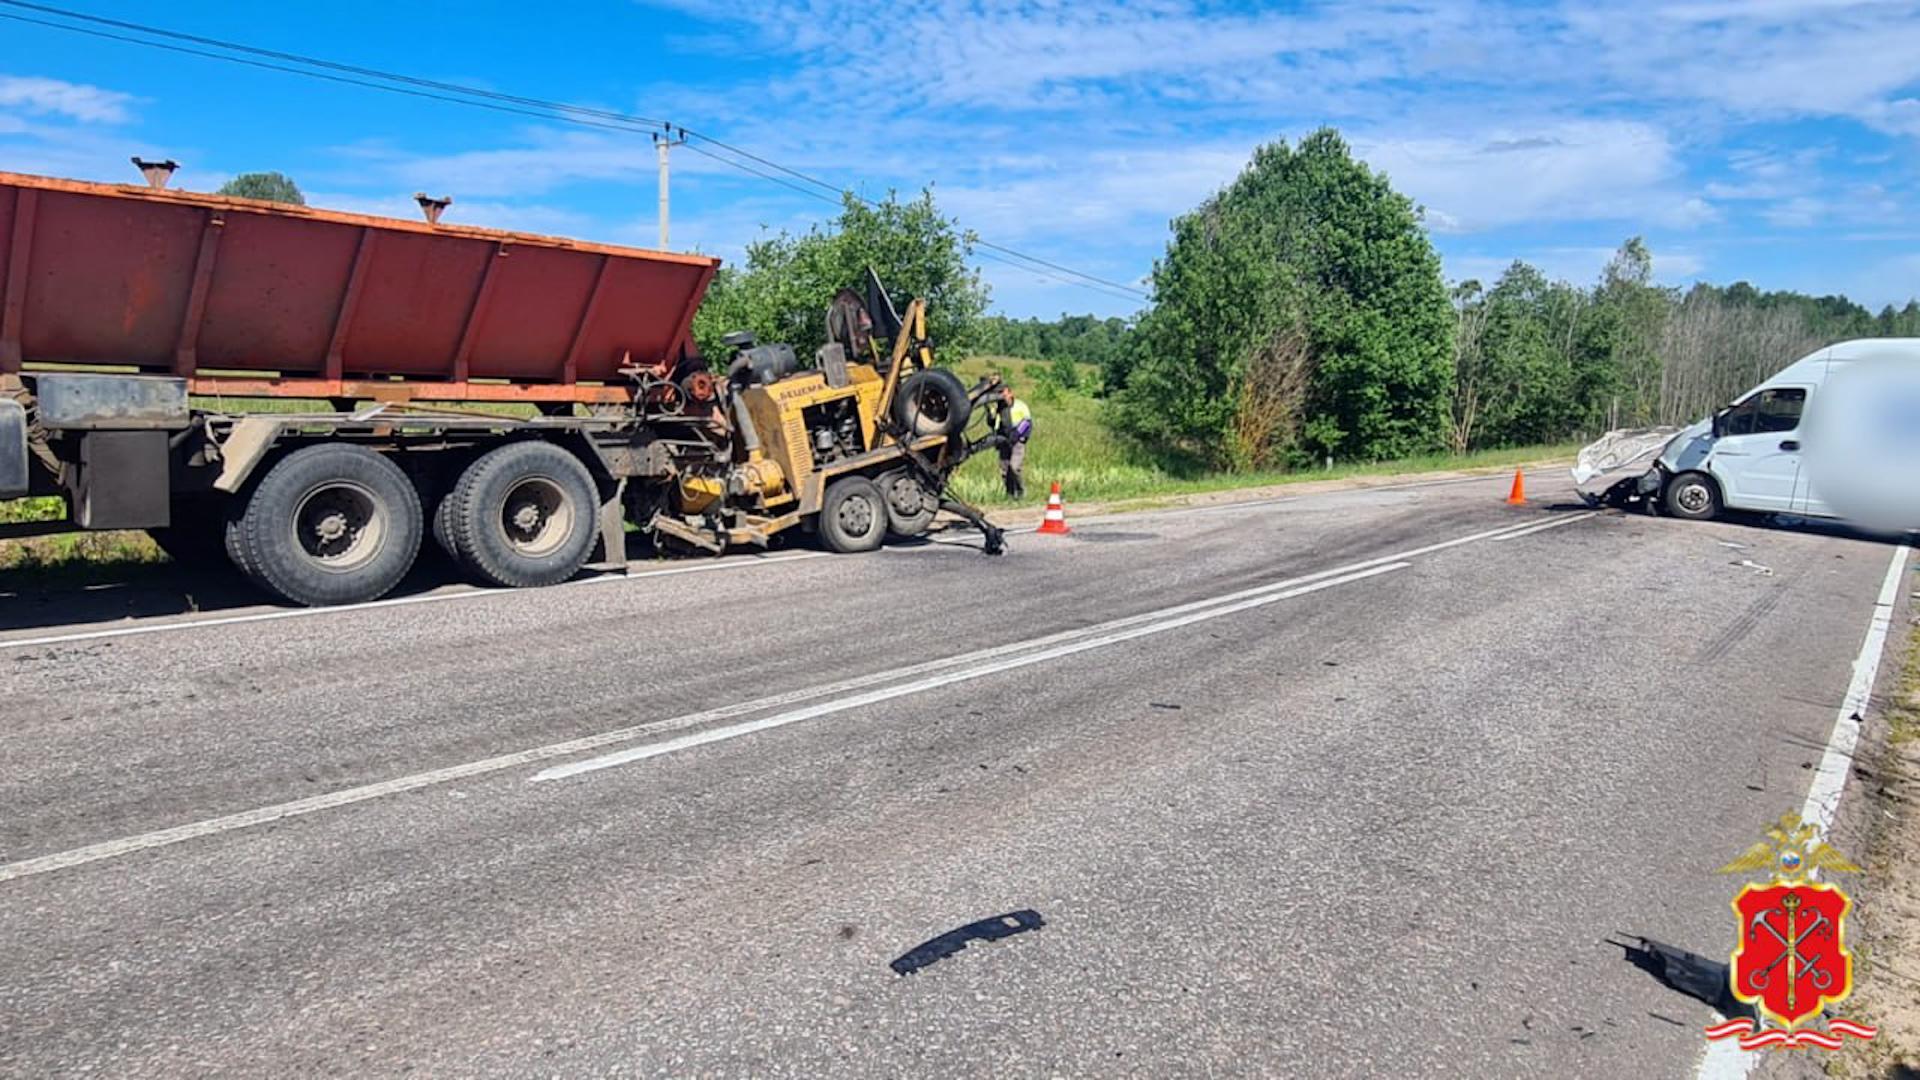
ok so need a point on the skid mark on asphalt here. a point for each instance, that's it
(1748, 621)
(912, 679)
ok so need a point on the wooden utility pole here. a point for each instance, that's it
(663, 144)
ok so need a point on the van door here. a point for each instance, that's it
(1757, 457)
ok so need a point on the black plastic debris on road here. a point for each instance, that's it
(934, 950)
(1698, 977)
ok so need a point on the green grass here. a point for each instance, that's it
(49, 555)
(1073, 445)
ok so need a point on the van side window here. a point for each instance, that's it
(1768, 412)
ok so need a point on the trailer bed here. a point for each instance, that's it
(244, 297)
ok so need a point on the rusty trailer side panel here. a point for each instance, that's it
(243, 296)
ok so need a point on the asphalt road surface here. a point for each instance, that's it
(1349, 784)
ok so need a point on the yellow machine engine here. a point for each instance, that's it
(859, 445)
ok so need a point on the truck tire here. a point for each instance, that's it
(523, 515)
(910, 508)
(197, 539)
(441, 524)
(236, 546)
(932, 402)
(329, 524)
(853, 517)
(1694, 496)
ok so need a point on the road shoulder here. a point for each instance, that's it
(1886, 827)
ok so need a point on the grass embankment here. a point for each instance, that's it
(1071, 444)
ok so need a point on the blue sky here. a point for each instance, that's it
(1770, 140)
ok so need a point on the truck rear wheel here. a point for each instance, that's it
(853, 517)
(329, 524)
(910, 508)
(523, 515)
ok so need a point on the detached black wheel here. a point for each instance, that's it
(853, 517)
(910, 507)
(1694, 496)
(330, 524)
(522, 516)
(932, 402)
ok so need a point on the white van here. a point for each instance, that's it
(1835, 434)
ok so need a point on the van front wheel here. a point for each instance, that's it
(1694, 496)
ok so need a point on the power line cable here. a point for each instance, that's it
(309, 74)
(333, 65)
(460, 94)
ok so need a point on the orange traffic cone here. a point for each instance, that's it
(1056, 519)
(1518, 496)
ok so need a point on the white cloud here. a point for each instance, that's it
(1579, 265)
(1778, 57)
(1579, 170)
(490, 214)
(1797, 212)
(75, 101)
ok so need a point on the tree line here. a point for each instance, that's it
(1301, 314)
(1538, 361)
(1081, 339)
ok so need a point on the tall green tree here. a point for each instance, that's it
(782, 290)
(1527, 374)
(271, 186)
(1620, 342)
(1307, 242)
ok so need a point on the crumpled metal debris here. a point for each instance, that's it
(1629, 451)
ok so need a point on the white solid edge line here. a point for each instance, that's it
(347, 796)
(398, 601)
(874, 697)
(1724, 1060)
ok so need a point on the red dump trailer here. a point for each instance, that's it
(243, 297)
(306, 393)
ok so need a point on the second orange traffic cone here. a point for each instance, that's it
(1518, 496)
(1056, 519)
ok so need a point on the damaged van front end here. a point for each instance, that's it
(1628, 468)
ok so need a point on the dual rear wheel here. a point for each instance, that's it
(858, 514)
(520, 516)
(339, 524)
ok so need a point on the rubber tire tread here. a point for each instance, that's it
(838, 492)
(938, 381)
(197, 542)
(904, 528)
(260, 533)
(472, 518)
(1672, 505)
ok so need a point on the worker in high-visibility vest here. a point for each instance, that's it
(1016, 425)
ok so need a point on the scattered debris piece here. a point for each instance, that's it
(1763, 571)
(950, 943)
(1731, 544)
(1689, 973)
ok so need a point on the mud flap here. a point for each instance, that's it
(13, 449)
(613, 529)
